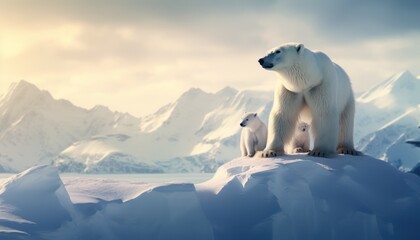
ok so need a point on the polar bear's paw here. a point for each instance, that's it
(348, 151)
(270, 153)
(300, 150)
(320, 153)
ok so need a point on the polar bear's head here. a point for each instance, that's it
(282, 57)
(250, 120)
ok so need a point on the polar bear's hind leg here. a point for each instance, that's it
(345, 143)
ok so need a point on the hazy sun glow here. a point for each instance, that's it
(138, 56)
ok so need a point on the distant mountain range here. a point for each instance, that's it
(35, 128)
(387, 116)
(197, 133)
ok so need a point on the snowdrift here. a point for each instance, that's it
(292, 197)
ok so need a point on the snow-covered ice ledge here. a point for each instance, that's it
(292, 197)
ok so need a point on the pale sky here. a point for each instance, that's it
(135, 56)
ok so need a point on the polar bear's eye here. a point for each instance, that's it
(246, 119)
(277, 51)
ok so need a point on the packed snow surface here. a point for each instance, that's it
(292, 197)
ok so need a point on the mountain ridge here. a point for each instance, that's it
(197, 132)
(34, 126)
(385, 94)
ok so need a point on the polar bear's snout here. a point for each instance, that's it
(242, 124)
(265, 64)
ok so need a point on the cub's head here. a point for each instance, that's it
(303, 127)
(282, 57)
(248, 119)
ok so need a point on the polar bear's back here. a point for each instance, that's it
(343, 87)
(343, 90)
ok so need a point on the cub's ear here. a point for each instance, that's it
(299, 48)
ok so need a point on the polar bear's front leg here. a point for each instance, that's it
(325, 121)
(283, 117)
(244, 153)
(250, 146)
(325, 129)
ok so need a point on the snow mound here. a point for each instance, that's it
(33, 202)
(341, 198)
(292, 197)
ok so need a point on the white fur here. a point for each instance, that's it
(253, 135)
(300, 141)
(309, 79)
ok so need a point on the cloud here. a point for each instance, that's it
(124, 53)
(360, 20)
(236, 23)
(349, 17)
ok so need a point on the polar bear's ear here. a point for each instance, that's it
(299, 48)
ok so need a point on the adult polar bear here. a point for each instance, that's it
(310, 80)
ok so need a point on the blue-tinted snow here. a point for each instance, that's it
(292, 197)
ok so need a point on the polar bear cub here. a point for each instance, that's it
(309, 80)
(300, 142)
(253, 135)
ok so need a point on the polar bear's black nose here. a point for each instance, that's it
(242, 125)
(261, 61)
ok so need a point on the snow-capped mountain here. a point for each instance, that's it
(34, 127)
(387, 116)
(197, 133)
(387, 103)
